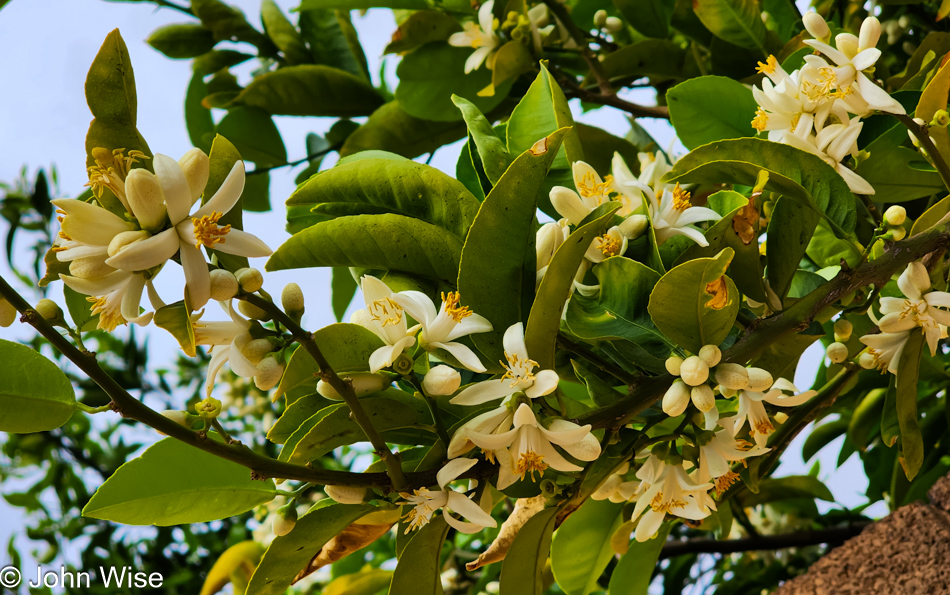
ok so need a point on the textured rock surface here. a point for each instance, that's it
(905, 553)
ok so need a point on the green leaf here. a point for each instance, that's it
(216, 60)
(521, 571)
(600, 392)
(291, 441)
(289, 554)
(600, 146)
(786, 488)
(364, 4)
(821, 436)
(198, 119)
(682, 306)
(648, 17)
(254, 134)
(541, 112)
(737, 21)
(295, 415)
(491, 150)
(284, 35)
(173, 483)
(342, 290)
(790, 229)
(496, 276)
(35, 395)
(634, 571)
(377, 186)
(866, 416)
(618, 311)
(420, 28)
(391, 129)
(368, 581)
(182, 40)
(551, 298)
(175, 318)
(659, 59)
(793, 173)
(345, 346)
(226, 22)
(418, 569)
(900, 174)
(711, 108)
(931, 216)
(80, 310)
(827, 250)
(324, 32)
(390, 242)
(310, 90)
(237, 560)
(431, 74)
(581, 547)
(908, 372)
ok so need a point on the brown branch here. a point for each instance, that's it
(634, 109)
(920, 131)
(579, 37)
(832, 535)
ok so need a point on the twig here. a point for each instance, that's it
(920, 131)
(579, 37)
(831, 535)
(343, 388)
(310, 157)
(636, 110)
(173, 6)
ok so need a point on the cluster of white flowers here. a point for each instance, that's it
(534, 27)
(819, 107)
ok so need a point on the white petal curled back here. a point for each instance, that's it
(453, 469)
(146, 254)
(227, 195)
(482, 392)
(174, 187)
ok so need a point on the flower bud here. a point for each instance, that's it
(837, 352)
(847, 43)
(843, 329)
(182, 418)
(759, 380)
(89, 267)
(780, 417)
(285, 519)
(673, 365)
(269, 371)
(613, 24)
(870, 33)
(255, 349)
(895, 215)
(633, 226)
(126, 238)
(51, 311)
(249, 279)
(866, 361)
(197, 169)
(251, 311)
(676, 399)
(600, 18)
(694, 371)
(895, 233)
(345, 494)
(703, 397)
(732, 376)
(291, 298)
(816, 25)
(7, 313)
(146, 199)
(441, 380)
(208, 408)
(727, 392)
(363, 384)
(710, 354)
(549, 239)
(224, 285)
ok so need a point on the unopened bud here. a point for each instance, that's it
(7, 313)
(895, 233)
(89, 267)
(816, 25)
(676, 398)
(759, 380)
(673, 365)
(197, 169)
(633, 226)
(363, 384)
(732, 376)
(255, 349)
(441, 380)
(613, 24)
(710, 354)
(703, 397)
(249, 279)
(126, 238)
(291, 298)
(843, 329)
(224, 285)
(600, 18)
(269, 371)
(209, 408)
(694, 371)
(837, 352)
(345, 494)
(146, 199)
(866, 361)
(780, 417)
(251, 311)
(285, 519)
(182, 418)
(549, 239)
(895, 215)
(51, 311)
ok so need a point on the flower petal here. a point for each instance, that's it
(482, 392)
(462, 353)
(197, 277)
(241, 243)
(514, 341)
(146, 254)
(89, 224)
(471, 324)
(97, 286)
(418, 305)
(227, 195)
(174, 187)
(545, 382)
(453, 469)
(461, 504)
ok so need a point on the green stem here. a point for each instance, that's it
(920, 131)
(92, 410)
(433, 405)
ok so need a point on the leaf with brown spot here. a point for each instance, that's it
(745, 223)
(354, 537)
(720, 292)
(525, 508)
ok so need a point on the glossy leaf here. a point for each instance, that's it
(491, 150)
(282, 32)
(711, 108)
(908, 373)
(238, 558)
(580, 550)
(182, 40)
(173, 483)
(521, 571)
(659, 59)
(790, 230)
(323, 30)
(389, 128)
(900, 174)
(226, 22)
(541, 111)
(253, 133)
(648, 17)
(294, 416)
(931, 216)
(418, 569)
(497, 271)
(363, 4)
(695, 304)
(176, 319)
(310, 90)
(634, 571)
(420, 28)
(737, 21)
(80, 310)
(35, 395)
(786, 488)
(342, 289)
(198, 119)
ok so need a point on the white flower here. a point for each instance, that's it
(832, 144)
(612, 243)
(886, 349)
(548, 239)
(441, 329)
(667, 489)
(386, 319)
(615, 488)
(592, 191)
(426, 502)
(674, 214)
(752, 409)
(921, 308)
(115, 297)
(228, 340)
(495, 421)
(520, 375)
(481, 37)
(716, 455)
(177, 186)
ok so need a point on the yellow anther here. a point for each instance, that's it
(680, 198)
(761, 120)
(762, 427)
(207, 230)
(609, 245)
(529, 463)
(723, 483)
(452, 308)
(769, 66)
(108, 319)
(385, 311)
(589, 188)
(518, 369)
(658, 505)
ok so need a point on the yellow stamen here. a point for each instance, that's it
(108, 319)
(207, 231)
(385, 311)
(110, 170)
(524, 367)
(589, 188)
(762, 427)
(609, 245)
(767, 67)
(761, 120)
(723, 483)
(680, 198)
(452, 308)
(658, 505)
(529, 463)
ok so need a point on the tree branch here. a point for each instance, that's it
(343, 388)
(920, 131)
(634, 109)
(766, 542)
(579, 37)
